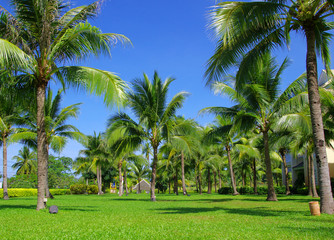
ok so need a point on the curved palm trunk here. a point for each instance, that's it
(154, 173)
(183, 177)
(42, 154)
(234, 187)
(4, 148)
(271, 190)
(326, 197)
(120, 187)
(286, 172)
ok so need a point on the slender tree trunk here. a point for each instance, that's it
(314, 187)
(254, 176)
(42, 154)
(243, 178)
(215, 180)
(154, 172)
(47, 190)
(286, 172)
(234, 187)
(99, 180)
(120, 188)
(184, 189)
(125, 182)
(176, 182)
(5, 185)
(169, 183)
(87, 181)
(326, 197)
(219, 179)
(309, 173)
(199, 179)
(271, 190)
(196, 182)
(209, 181)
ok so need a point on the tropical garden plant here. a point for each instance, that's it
(252, 28)
(38, 39)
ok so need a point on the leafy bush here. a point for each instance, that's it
(60, 191)
(23, 181)
(27, 192)
(92, 189)
(250, 190)
(245, 190)
(78, 189)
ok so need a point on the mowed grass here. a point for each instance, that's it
(171, 217)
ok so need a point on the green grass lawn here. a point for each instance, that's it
(171, 217)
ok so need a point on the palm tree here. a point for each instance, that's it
(258, 103)
(26, 162)
(10, 110)
(93, 157)
(56, 127)
(38, 39)
(223, 133)
(253, 28)
(148, 101)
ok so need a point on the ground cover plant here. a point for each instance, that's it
(171, 217)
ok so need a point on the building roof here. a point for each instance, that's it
(144, 185)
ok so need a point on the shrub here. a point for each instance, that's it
(27, 192)
(245, 190)
(78, 189)
(225, 190)
(92, 189)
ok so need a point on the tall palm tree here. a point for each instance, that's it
(58, 131)
(258, 103)
(148, 101)
(38, 39)
(10, 110)
(253, 28)
(223, 133)
(26, 162)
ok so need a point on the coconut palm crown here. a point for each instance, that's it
(43, 35)
(148, 102)
(255, 27)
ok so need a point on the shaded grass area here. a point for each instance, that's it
(171, 217)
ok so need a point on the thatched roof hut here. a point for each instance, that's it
(143, 185)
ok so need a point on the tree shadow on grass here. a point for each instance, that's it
(259, 211)
(81, 208)
(13, 206)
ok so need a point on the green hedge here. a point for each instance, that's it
(83, 189)
(250, 190)
(26, 192)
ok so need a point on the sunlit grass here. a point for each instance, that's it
(171, 217)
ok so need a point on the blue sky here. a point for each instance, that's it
(170, 37)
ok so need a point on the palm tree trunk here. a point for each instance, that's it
(199, 179)
(215, 180)
(326, 197)
(219, 179)
(234, 187)
(125, 182)
(209, 181)
(254, 176)
(169, 183)
(269, 175)
(154, 172)
(120, 187)
(314, 187)
(183, 177)
(286, 172)
(42, 154)
(5, 185)
(47, 190)
(309, 173)
(176, 189)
